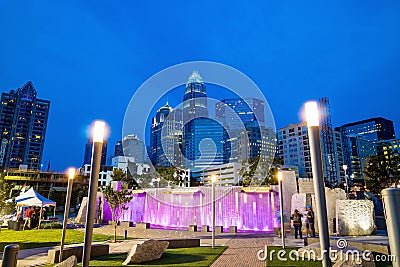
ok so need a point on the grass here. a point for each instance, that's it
(44, 238)
(275, 261)
(196, 257)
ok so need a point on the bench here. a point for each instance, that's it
(97, 250)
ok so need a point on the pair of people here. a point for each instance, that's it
(298, 223)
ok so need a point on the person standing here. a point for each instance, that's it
(296, 217)
(310, 221)
(28, 218)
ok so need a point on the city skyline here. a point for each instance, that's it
(88, 60)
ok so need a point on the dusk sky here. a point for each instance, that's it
(89, 57)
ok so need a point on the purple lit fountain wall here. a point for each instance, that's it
(177, 210)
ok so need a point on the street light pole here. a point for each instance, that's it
(71, 175)
(98, 136)
(280, 177)
(346, 181)
(213, 180)
(318, 178)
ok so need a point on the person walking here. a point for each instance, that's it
(310, 228)
(28, 218)
(297, 223)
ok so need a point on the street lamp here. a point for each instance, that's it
(346, 181)
(213, 180)
(71, 175)
(312, 116)
(280, 177)
(98, 136)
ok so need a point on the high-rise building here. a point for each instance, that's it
(253, 142)
(166, 137)
(194, 98)
(358, 150)
(133, 147)
(23, 123)
(204, 140)
(118, 149)
(294, 149)
(374, 129)
(359, 140)
(390, 148)
(87, 159)
(236, 113)
(204, 144)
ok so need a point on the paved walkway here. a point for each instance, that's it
(242, 247)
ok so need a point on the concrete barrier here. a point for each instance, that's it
(142, 225)
(97, 250)
(126, 224)
(218, 229)
(233, 229)
(192, 228)
(205, 228)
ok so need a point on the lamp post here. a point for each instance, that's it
(312, 116)
(71, 175)
(98, 136)
(280, 176)
(346, 181)
(213, 180)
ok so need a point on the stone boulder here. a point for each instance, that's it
(69, 262)
(147, 251)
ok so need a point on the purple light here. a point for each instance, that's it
(247, 211)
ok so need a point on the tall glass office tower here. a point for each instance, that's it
(195, 98)
(23, 123)
(204, 139)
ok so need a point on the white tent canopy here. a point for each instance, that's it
(33, 198)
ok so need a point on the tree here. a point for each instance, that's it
(382, 173)
(5, 194)
(272, 176)
(117, 200)
(248, 170)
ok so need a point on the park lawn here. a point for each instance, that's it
(183, 257)
(277, 262)
(44, 238)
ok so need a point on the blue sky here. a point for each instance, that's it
(89, 57)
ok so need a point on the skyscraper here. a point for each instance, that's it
(133, 147)
(204, 144)
(118, 149)
(194, 98)
(204, 139)
(247, 110)
(166, 137)
(294, 149)
(359, 140)
(374, 129)
(245, 119)
(23, 123)
(87, 159)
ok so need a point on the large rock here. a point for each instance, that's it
(147, 251)
(70, 262)
(355, 217)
